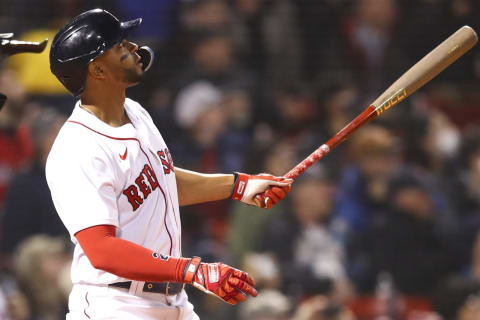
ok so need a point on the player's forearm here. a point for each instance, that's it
(127, 259)
(194, 187)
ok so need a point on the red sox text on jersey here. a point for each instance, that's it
(147, 181)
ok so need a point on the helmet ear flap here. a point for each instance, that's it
(146, 57)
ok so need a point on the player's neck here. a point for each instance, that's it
(107, 107)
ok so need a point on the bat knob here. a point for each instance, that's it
(260, 200)
(42, 45)
(6, 35)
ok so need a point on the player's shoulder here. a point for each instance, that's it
(74, 134)
(75, 149)
(74, 142)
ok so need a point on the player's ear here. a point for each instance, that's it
(96, 69)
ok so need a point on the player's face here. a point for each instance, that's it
(123, 63)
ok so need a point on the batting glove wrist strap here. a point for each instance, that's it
(191, 269)
(239, 185)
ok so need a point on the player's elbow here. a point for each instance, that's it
(97, 243)
(100, 255)
(99, 262)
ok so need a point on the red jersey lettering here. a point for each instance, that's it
(141, 184)
(140, 181)
(133, 197)
(151, 177)
(167, 161)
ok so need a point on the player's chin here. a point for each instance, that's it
(134, 77)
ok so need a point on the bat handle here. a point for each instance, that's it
(308, 162)
(298, 170)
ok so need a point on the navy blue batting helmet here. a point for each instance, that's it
(82, 40)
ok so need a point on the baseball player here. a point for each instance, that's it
(118, 193)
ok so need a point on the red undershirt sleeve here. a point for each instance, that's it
(127, 259)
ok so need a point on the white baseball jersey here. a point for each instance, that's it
(121, 176)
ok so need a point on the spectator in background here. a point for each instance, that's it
(296, 117)
(279, 158)
(264, 34)
(212, 141)
(268, 305)
(13, 302)
(304, 240)
(290, 117)
(464, 190)
(475, 264)
(315, 33)
(23, 18)
(430, 32)
(363, 186)
(23, 218)
(267, 39)
(25, 15)
(459, 13)
(212, 59)
(295, 111)
(409, 239)
(15, 145)
(42, 265)
(321, 307)
(458, 299)
(366, 57)
(194, 16)
(440, 143)
(206, 14)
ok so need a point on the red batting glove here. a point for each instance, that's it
(224, 282)
(246, 187)
(273, 195)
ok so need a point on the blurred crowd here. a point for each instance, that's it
(386, 227)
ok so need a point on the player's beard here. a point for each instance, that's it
(133, 76)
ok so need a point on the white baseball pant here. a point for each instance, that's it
(109, 303)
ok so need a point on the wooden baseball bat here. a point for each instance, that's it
(9, 46)
(423, 71)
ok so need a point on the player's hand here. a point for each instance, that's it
(248, 186)
(224, 282)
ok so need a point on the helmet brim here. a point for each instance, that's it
(128, 26)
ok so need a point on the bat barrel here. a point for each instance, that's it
(431, 65)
